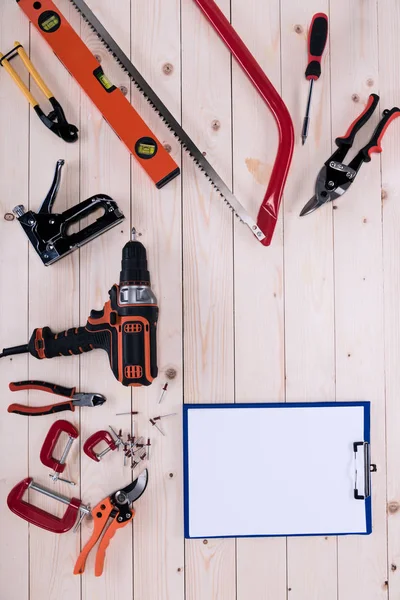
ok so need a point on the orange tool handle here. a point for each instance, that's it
(101, 514)
(105, 540)
(317, 36)
(113, 105)
(36, 411)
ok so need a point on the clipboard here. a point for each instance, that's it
(287, 469)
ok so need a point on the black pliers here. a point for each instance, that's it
(335, 178)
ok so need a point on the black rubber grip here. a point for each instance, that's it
(46, 344)
(374, 143)
(52, 388)
(29, 411)
(317, 37)
(313, 70)
(359, 122)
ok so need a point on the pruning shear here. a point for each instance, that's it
(115, 507)
(335, 178)
(74, 399)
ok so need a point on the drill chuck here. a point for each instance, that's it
(134, 264)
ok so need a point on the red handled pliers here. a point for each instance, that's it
(335, 178)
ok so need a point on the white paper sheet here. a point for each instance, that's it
(273, 471)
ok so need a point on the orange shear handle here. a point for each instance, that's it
(101, 514)
(105, 540)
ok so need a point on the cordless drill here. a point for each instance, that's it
(125, 328)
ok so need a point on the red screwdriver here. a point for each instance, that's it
(317, 36)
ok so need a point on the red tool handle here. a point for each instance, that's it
(374, 145)
(36, 515)
(46, 453)
(44, 386)
(96, 438)
(268, 213)
(317, 36)
(358, 122)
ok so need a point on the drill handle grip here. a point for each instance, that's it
(44, 343)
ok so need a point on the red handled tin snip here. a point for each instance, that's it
(74, 399)
(117, 508)
(50, 442)
(40, 517)
(335, 178)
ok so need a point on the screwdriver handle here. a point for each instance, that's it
(317, 36)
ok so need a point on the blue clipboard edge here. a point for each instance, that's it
(367, 438)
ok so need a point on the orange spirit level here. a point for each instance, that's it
(115, 108)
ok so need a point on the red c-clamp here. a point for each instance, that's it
(40, 517)
(46, 453)
(95, 439)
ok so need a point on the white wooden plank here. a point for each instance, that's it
(389, 85)
(207, 264)
(362, 561)
(309, 316)
(261, 563)
(158, 528)
(46, 287)
(14, 144)
(105, 167)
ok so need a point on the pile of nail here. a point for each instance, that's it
(136, 450)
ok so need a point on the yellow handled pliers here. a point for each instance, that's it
(55, 120)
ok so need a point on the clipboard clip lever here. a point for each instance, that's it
(368, 469)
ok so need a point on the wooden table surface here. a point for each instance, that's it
(314, 317)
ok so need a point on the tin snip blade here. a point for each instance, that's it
(49, 232)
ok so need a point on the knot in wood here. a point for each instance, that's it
(123, 89)
(9, 217)
(170, 373)
(370, 82)
(355, 98)
(167, 147)
(216, 124)
(98, 57)
(168, 68)
(393, 507)
(384, 194)
(298, 29)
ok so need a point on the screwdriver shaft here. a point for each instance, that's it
(306, 122)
